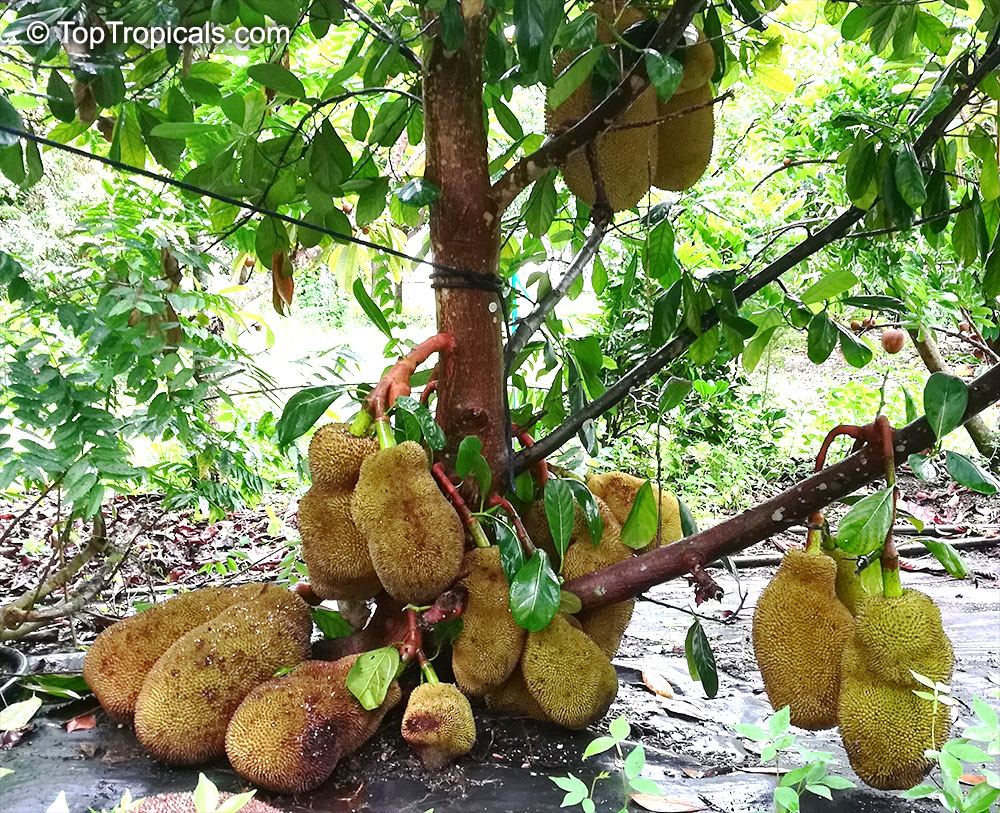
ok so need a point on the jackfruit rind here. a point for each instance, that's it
(513, 696)
(619, 491)
(335, 456)
(885, 727)
(119, 660)
(191, 692)
(438, 724)
(289, 733)
(852, 588)
(487, 650)
(335, 551)
(582, 557)
(415, 538)
(606, 625)
(800, 630)
(699, 65)
(184, 803)
(566, 673)
(896, 635)
(684, 143)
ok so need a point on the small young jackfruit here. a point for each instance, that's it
(619, 491)
(513, 696)
(184, 803)
(566, 673)
(853, 588)
(800, 630)
(119, 660)
(438, 724)
(885, 727)
(489, 646)
(335, 551)
(191, 692)
(684, 142)
(415, 537)
(335, 456)
(289, 733)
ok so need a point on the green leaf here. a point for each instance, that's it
(329, 159)
(540, 208)
(470, 460)
(432, 433)
(372, 201)
(779, 722)
(701, 659)
(635, 762)
(910, 405)
(910, 178)
(945, 400)
(591, 513)
(302, 411)
(688, 525)
(17, 715)
(535, 593)
(361, 122)
(331, 623)
(661, 255)
(829, 286)
(452, 26)
(418, 192)
(206, 795)
(560, 513)
(60, 95)
(864, 528)
(968, 473)
(856, 352)
(508, 120)
(571, 78)
(665, 73)
(946, 555)
(640, 525)
(535, 25)
(371, 676)
(511, 551)
(181, 130)
(9, 117)
(674, 392)
(372, 311)
(598, 745)
(822, 338)
(861, 166)
(922, 467)
(277, 78)
(619, 728)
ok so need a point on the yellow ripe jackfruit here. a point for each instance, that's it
(885, 727)
(184, 803)
(800, 630)
(335, 456)
(698, 60)
(191, 692)
(566, 673)
(619, 491)
(489, 646)
(289, 733)
(438, 724)
(415, 538)
(853, 588)
(335, 551)
(513, 696)
(119, 660)
(685, 142)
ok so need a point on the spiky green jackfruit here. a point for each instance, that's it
(335, 457)
(800, 630)
(684, 141)
(438, 724)
(415, 538)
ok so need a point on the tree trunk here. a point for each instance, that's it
(985, 440)
(465, 235)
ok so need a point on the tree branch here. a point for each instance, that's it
(629, 578)
(386, 36)
(642, 372)
(555, 151)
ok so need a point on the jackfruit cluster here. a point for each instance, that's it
(885, 727)
(335, 552)
(415, 539)
(800, 630)
(290, 732)
(184, 803)
(438, 724)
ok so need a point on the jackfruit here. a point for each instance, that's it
(191, 692)
(119, 660)
(619, 491)
(566, 673)
(885, 727)
(582, 557)
(489, 646)
(800, 630)
(698, 60)
(184, 803)
(438, 724)
(853, 588)
(536, 523)
(618, 14)
(513, 696)
(685, 143)
(289, 733)
(606, 625)
(335, 551)
(415, 538)
(626, 158)
(335, 456)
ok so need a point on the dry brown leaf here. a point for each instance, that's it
(82, 723)
(660, 804)
(657, 683)
(972, 779)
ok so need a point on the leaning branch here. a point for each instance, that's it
(555, 151)
(631, 577)
(642, 372)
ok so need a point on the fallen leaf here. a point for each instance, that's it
(658, 804)
(972, 779)
(82, 723)
(657, 683)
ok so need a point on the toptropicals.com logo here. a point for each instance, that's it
(118, 33)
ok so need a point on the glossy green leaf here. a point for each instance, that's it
(534, 593)
(910, 177)
(371, 676)
(641, 523)
(822, 338)
(578, 71)
(829, 286)
(331, 623)
(470, 460)
(922, 467)
(856, 352)
(865, 526)
(302, 411)
(665, 73)
(372, 311)
(60, 95)
(511, 550)
(540, 208)
(946, 555)
(432, 433)
(970, 474)
(945, 400)
(701, 659)
(591, 512)
(277, 78)
(560, 512)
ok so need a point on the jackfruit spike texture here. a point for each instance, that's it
(896, 635)
(289, 733)
(513, 696)
(626, 158)
(853, 588)
(606, 625)
(699, 65)
(335, 456)
(684, 143)
(489, 646)
(335, 551)
(566, 673)
(438, 724)
(885, 727)
(118, 661)
(191, 692)
(800, 630)
(184, 803)
(583, 558)
(619, 491)
(415, 538)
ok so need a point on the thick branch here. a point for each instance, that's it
(631, 577)
(812, 244)
(534, 320)
(555, 151)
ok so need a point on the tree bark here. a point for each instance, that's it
(980, 433)
(465, 234)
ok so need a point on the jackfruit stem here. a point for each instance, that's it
(471, 523)
(384, 433)
(542, 468)
(814, 539)
(427, 669)
(522, 532)
(362, 423)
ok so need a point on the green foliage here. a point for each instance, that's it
(535, 593)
